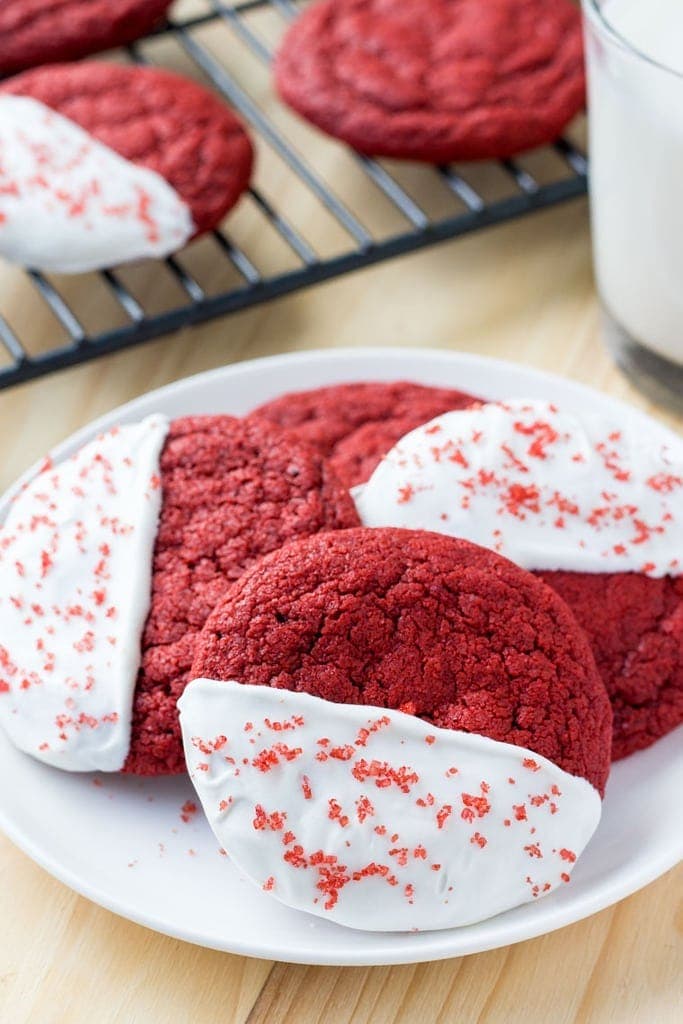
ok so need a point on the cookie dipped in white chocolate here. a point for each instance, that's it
(374, 818)
(75, 571)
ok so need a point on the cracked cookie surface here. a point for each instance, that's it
(355, 424)
(232, 491)
(635, 627)
(34, 32)
(423, 623)
(436, 80)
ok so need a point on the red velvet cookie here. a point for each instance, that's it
(112, 558)
(635, 627)
(590, 503)
(36, 32)
(355, 424)
(232, 491)
(155, 119)
(436, 80)
(423, 623)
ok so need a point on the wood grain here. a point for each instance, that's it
(558, 978)
(522, 292)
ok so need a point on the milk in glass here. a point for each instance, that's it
(635, 65)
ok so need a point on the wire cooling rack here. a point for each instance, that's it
(376, 209)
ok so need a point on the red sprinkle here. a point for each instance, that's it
(188, 810)
(384, 774)
(443, 814)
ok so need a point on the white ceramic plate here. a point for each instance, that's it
(122, 842)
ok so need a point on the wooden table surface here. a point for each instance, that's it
(523, 292)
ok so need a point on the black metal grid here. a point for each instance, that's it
(474, 212)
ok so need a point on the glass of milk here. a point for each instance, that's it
(635, 77)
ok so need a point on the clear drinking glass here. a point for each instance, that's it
(636, 185)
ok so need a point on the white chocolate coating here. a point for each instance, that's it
(546, 488)
(69, 204)
(376, 819)
(75, 569)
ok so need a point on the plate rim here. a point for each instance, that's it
(628, 881)
(581, 908)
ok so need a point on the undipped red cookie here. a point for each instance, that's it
(414, 620)
(102, 164)
(635, 627)
(436, 80)
(396, 729)
(111, 562)
(34, 32)
(355, 424)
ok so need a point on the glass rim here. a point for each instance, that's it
(593, 10)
